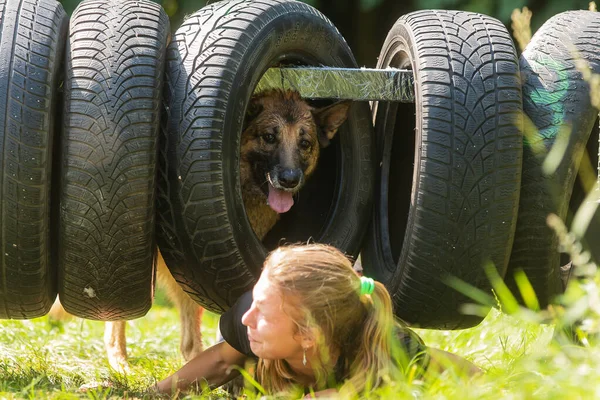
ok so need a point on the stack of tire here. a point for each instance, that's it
(133, 142)
(80, 124)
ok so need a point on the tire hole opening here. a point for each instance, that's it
(399, 162)
(316, 201)
(397, 169)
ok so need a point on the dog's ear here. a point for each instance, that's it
(329, 119)
(254, 109)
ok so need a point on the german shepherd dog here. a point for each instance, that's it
(280, 145)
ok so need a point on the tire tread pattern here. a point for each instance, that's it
(115, 66)
(31, 48)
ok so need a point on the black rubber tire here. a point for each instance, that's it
(448, 194)
(115, 72)
(554, 95)
(32, 37)
(215, 62)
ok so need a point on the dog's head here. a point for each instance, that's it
(281, 142)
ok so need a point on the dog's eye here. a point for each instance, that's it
(305, 144)
(269, 138)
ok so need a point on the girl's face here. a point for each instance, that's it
(272, 332)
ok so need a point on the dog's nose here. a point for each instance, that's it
(290, 178)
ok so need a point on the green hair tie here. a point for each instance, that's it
(367, 285)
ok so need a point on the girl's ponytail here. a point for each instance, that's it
(373, 354)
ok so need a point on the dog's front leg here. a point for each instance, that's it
(190, 314)
(116, 345)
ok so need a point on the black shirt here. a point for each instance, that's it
(410, 345)
(230, 324)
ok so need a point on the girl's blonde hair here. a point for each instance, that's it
(324, 291)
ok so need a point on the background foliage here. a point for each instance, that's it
(365, 23)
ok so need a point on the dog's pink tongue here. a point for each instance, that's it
(279, 200)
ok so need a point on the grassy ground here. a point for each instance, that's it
(41, 360)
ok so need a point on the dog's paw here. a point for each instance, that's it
(119, 364)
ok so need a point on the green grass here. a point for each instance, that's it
(40, 359)
(43, 360)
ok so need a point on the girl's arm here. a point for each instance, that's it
(213, 366)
